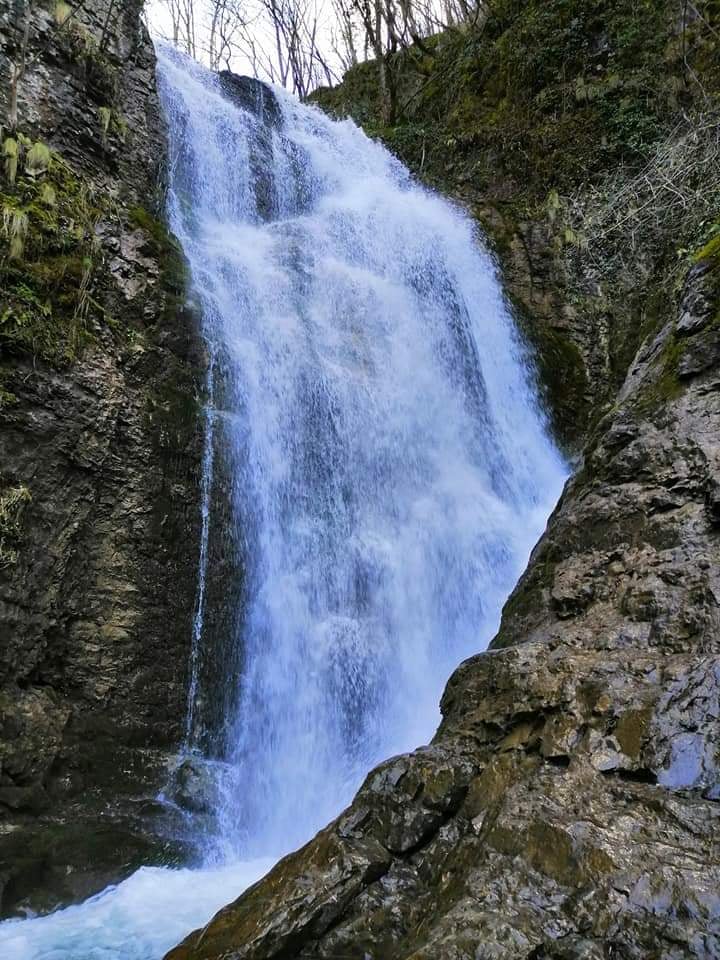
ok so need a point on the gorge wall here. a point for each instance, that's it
(101, 374)
(568, 805)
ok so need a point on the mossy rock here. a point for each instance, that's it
(46, 278)
(174, 276)
(44, 866)
(711, 251)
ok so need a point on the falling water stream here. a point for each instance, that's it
(388, 470)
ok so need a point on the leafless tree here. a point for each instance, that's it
(229, 21)
(110, 19)
(182, 16)
(20, 64)
(343, 34)
(292, 55)
(300, 44)
(379, 23)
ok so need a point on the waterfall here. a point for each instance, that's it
(390, 470)
(376, 471)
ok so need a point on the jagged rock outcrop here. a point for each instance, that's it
(100, 442)
(568, 806)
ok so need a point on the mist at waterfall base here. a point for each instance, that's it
(389, 474)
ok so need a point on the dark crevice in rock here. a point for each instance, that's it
(561, 761)
(633, 776)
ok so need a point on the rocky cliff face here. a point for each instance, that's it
(100, 381)
(568, 806)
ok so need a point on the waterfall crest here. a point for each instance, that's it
(389, 467)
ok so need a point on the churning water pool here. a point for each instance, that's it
(139, 919)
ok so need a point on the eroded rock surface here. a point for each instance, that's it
(100, 442)
(568, 806)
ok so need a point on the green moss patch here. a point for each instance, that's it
(664, 385)
(173, 267)
(711, 250)
(13, 500)
(82, 48)
(48, 256)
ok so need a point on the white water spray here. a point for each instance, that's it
(390, 471)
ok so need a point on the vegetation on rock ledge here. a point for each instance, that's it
(46, 271)
(13, 500)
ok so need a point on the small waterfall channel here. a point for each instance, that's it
(383, 469)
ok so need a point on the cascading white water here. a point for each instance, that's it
(390, 469)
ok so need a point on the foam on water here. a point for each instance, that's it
(139, 919)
